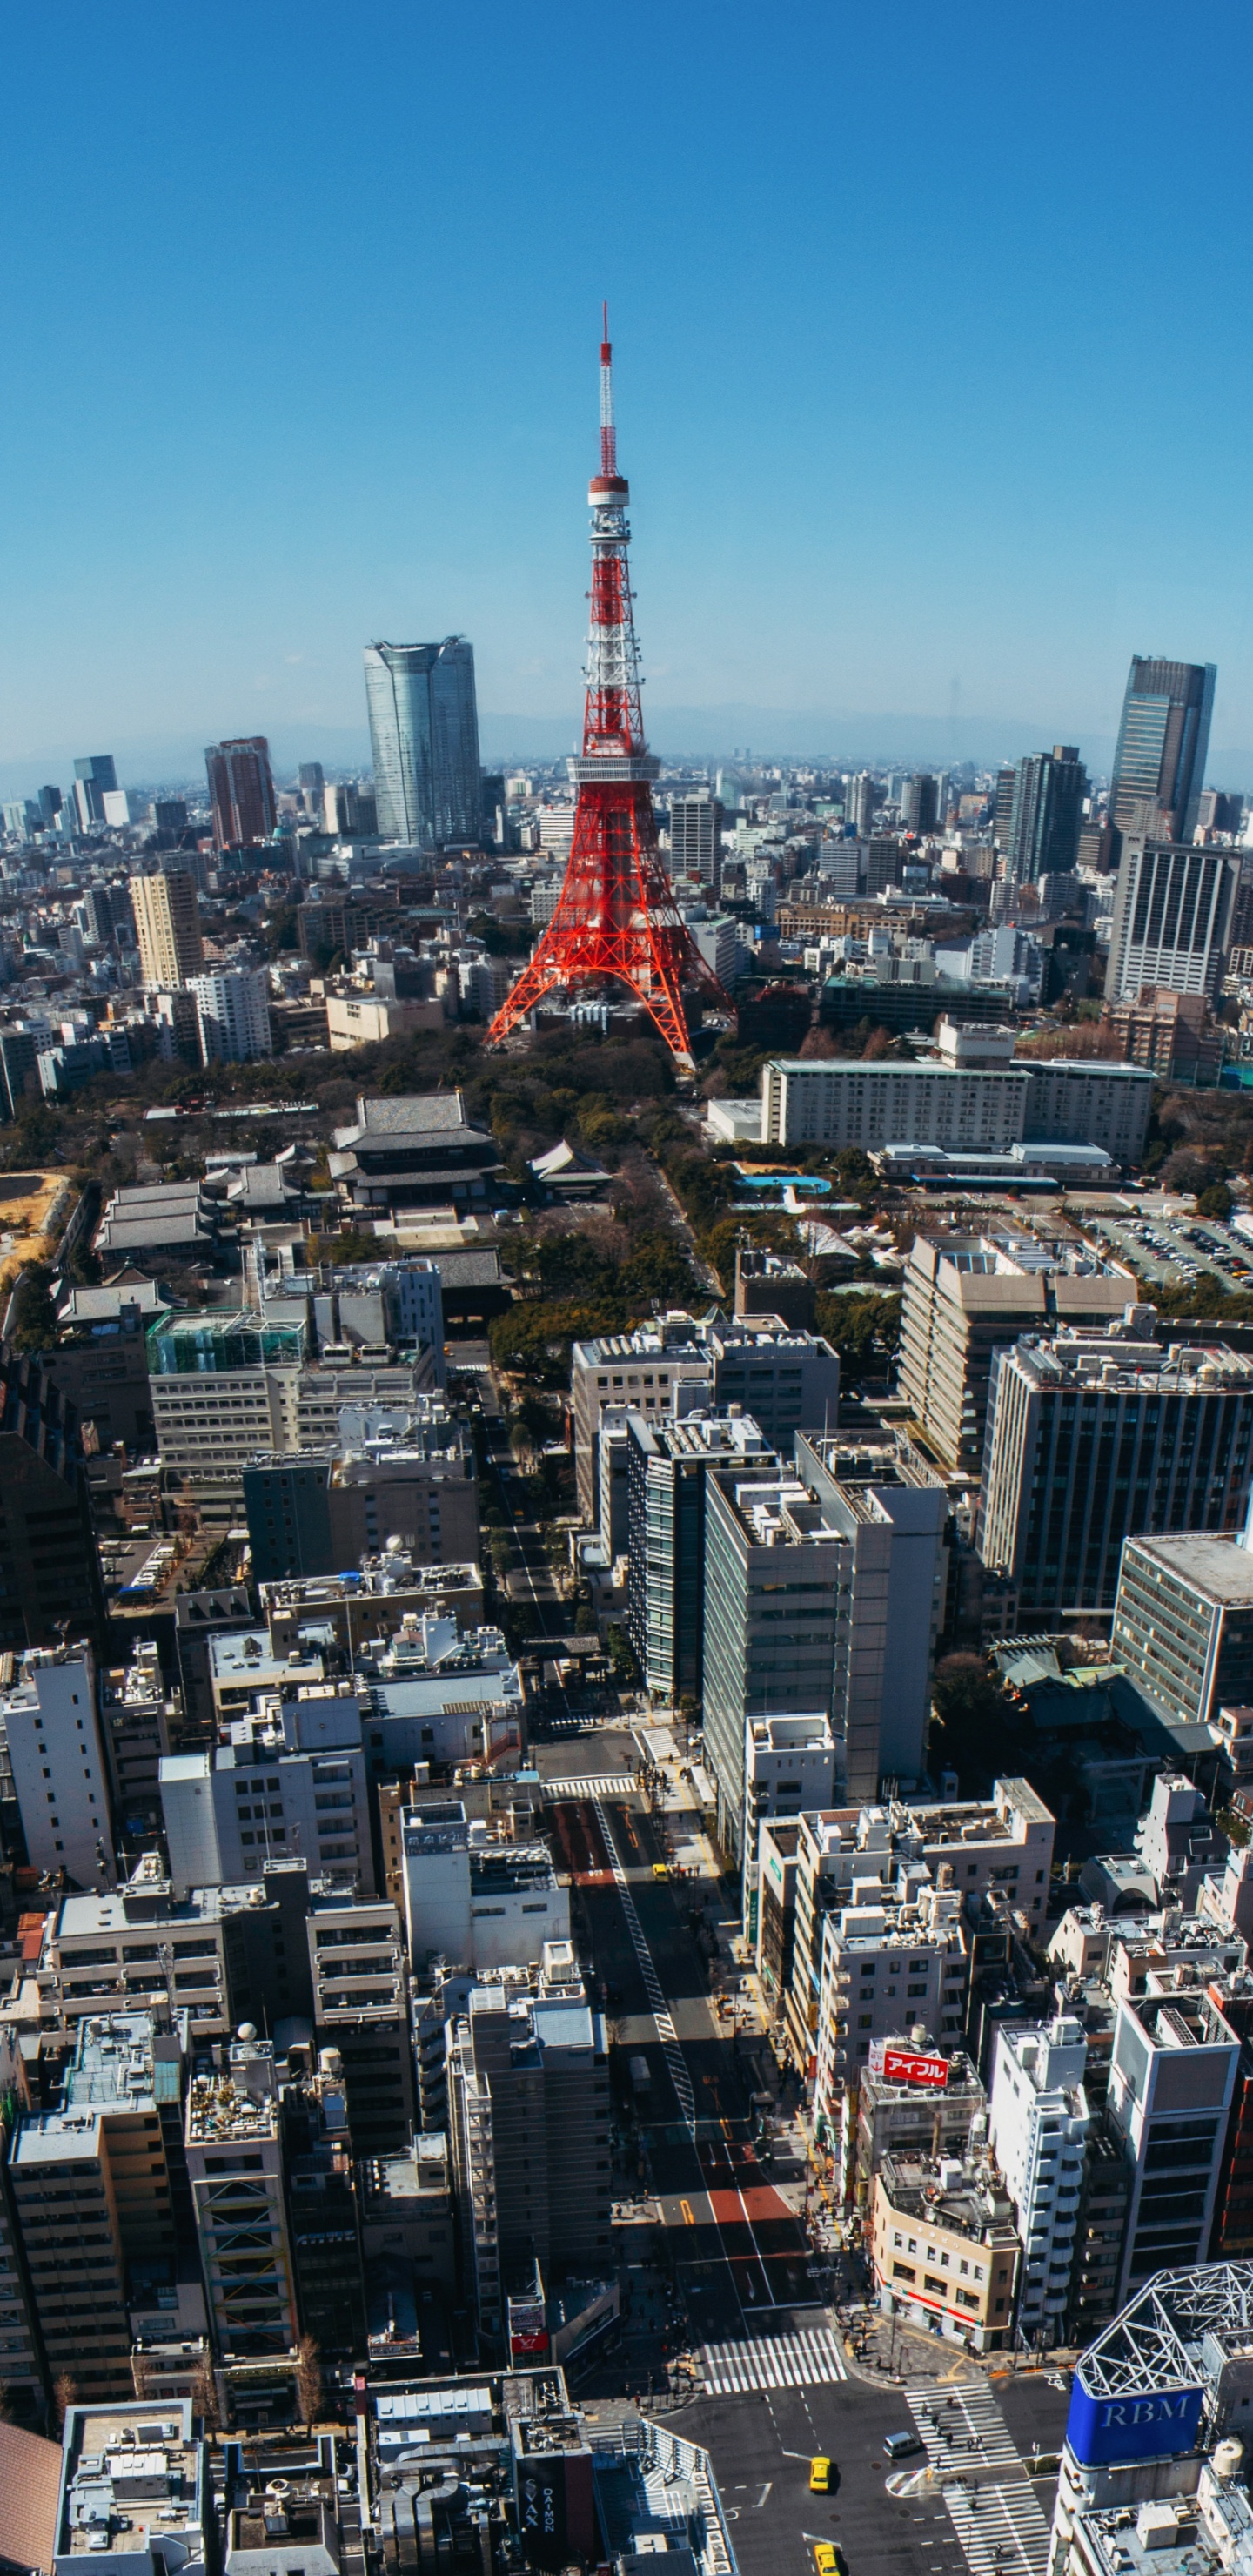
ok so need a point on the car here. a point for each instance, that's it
(820, 2475)
(660, 1870)
(828, 2559)
(900, 2446)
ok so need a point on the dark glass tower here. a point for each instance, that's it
(1163, 744)
(1047, 814)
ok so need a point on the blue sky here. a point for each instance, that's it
(933, 342)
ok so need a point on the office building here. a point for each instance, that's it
(474, 1903)
(360, 2003)
(966, 1296)
(311, 786)
(1082, 1100)
(1171, 2084)
(241, 791)
(135, 2488)
(1183, 1625)
(696, 824)
(943, 2247)
(95, 2185)
(786, 1380)
(528, 2082)
(1163, 745)
(847, 1854)
(375, 1394)
(1038, 2125)
(94, 779)
(897, 1957)
(773, 1567)
(49, 1723)
(1047, 815)
(897, 2115)
(666, 1463)
(1172, 1035)
(1173, 906)
(235, 2169)
(1097, 1438)
(223, 1386)
(789, 1766)
(289, 1784)
(424, 735)
(382, 1301)
(920, 805)
(310, 1512)
(365, 1608)
(167, 926)
(49, 1566)
(889, 1513)
(232, 1014)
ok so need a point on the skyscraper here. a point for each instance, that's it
(1046, 815)
(696, 824)
(241, 791)
(424, 731)
(94, 779)
(167, 924)
(1163, 742)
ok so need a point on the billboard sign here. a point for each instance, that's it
(1103, 2432)
(913, 2066)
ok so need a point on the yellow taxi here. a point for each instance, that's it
(820, 2476)
(826, 2559)
(660, 1870)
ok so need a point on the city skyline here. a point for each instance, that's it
(888, 454)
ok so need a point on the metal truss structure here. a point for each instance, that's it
(1156, 2341)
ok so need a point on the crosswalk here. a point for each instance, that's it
(961, 2427)
(591, 1784)
(1001, 2529)
(807, 2360)
(666, 2032)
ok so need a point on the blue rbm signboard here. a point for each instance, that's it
(1104, 2431)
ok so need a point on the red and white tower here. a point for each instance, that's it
(616, 916)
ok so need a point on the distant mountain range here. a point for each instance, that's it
(679, 733)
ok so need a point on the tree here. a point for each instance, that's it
(1215, 1202)
(622, 1663)
(64, 2395)
(33, 1320)
(973, 1717)
(308, 2379)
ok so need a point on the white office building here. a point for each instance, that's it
(48, 1720)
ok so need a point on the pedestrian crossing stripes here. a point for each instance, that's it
(591, 1784)
(772, 2361)
(666, 2033)
(1001, 2529)
(962, 2427)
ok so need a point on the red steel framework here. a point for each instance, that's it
(616, 915)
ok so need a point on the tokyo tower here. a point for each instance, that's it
(616, 915)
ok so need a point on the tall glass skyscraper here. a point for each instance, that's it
(1163, 744)
(424, 730)
(1046, 814)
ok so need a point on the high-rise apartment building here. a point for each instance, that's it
(968, 1296)
(1095, 1438)
(167, 925)
(60, 1779)
(528, 2079)
(1173, 907)
(773, 1566)
(233, 1014)
(241, 791)
(1047, 814)
(1038, 2125)
(890, 1513)
(696, 822)
(1163, 744)
(94, 779)
(424, 733)
(897, 1959)
(94, 2186)
(289, 1785)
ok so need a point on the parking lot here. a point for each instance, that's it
(1170, 1251)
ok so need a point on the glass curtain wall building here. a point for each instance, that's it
(1163, 742)
(424, 731)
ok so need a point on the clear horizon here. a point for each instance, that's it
(307, 357)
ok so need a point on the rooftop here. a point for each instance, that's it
(132, 2482)
(1218, 1567)
(1115, 1361)
(960, 2197)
